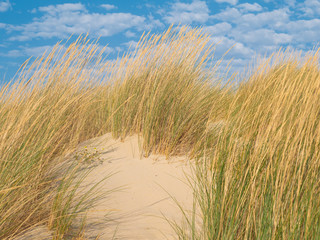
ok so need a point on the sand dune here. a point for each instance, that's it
(142, 199)
(137, 211)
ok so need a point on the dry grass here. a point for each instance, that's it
(160, 90)
(259, 179)
(47, 111)
(257, 145)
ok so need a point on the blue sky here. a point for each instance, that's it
(29, 27)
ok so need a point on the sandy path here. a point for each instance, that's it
(137, 211)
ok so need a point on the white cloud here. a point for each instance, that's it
(247, 7)
(28, 51)
(238, 49)
(37, 51)
(5, 6)
(229, 15)
(185, 13)
(261, 32)
(3, 25)
(311, 8)
(118, 49)
(129, 34)
(65, 19)
(60, 8)
(131, 44)
(219, 28)
(150, 23)
(13, 53)
(252, 29)
(301, 25)
(264, 37)
(108, 6)
(275, 19)
(290, 3)
(306, 31)
(232, 2)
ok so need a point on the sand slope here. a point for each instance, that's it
(136, 209)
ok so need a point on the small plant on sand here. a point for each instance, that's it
(88, 157)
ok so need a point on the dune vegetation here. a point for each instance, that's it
(256, 144)
(258, 176)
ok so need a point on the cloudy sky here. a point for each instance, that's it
(29, 27)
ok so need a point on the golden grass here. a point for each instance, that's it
(73, 94)
(256, 145)
(43, 114)
(260, 179)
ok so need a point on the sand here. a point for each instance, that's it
(138, 211)
(143, 191)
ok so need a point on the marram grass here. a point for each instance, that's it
(256, 145)
(259, 177)
(72, 94)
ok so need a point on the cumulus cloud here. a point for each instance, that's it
(232, 2)
(290, 3)
(61, 8)
(311, 8)
(131, 44)
(108, 6)
(129, 34)
(5, 6)
(301, 25)
(37, 51)
(306, 31)
(62, 20)
(237, 49)
(151, 23)
(228, 15)
(248, 7)
(219, 28)
(249, 29)
(185, 13)
(13, 53)
(28, 51)
(275, 18)
(264, 37)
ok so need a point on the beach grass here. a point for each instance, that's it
(260, 178)
(255, 144)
